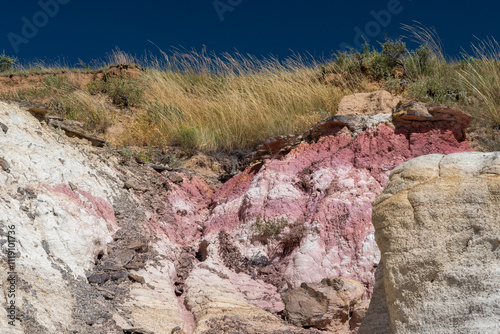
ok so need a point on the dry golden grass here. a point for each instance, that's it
(224, 104)
(481, 75)
(94, 110)
(227, 102)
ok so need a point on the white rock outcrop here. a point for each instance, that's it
(61, 212)
(58, 197)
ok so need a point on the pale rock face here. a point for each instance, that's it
(214, 292)
(152, 305)
(48, 214)
(437, 227)
(379, 102)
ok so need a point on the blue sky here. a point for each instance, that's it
(87, 30)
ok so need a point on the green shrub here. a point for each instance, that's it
(418, 63)
(6, 62)
(187, 137)
(123, 92)
(269, 228)
(393, 52)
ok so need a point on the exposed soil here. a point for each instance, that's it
(12, 83)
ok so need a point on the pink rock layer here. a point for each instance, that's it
(328, 186)
(94, 205)
(177, 213)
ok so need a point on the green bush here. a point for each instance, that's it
(186, 137)
(269, 228)
(418, 63)
(6, 62)
(123, 92)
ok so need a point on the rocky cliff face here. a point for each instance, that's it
(105, 245)
(324, 190)
(437, 227)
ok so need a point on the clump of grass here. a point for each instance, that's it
(93, 110)
(283, 237)
(481, 77)
(124, 92)
(119, 57)
(292, 240)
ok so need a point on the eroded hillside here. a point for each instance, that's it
(106, 243)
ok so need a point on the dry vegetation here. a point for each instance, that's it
(197, 101)
(205, 102)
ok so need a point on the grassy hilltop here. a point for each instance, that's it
(211, 103)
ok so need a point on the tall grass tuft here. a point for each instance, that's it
(481, 76)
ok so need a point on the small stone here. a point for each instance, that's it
(45, 246)
(72, 186)
(55, 118)
(175, 178)
(108, 294)
(95, 321)
(179, 290)
(160, 168)
(4, 127)
(134, 265)
(119, 276)
(137, 278)
(139, 160)
(5, 165)
(39, 111)
(136, 331)
(132, 184)
(177, 330)
(139, 247)
(98, 278)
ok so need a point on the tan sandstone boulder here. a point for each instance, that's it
(438, 229)
(334, 304)
(377, 102)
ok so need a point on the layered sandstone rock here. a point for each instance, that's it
(437, 226)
